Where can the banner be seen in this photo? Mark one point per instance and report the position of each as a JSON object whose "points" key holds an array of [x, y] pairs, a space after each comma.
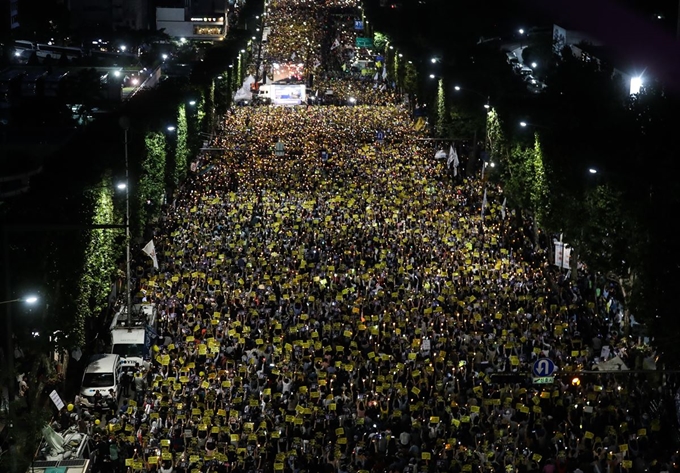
{"points": [[150, 251]]}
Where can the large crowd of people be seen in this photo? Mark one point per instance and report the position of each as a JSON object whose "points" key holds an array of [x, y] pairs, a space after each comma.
{"points": [[351, 304]]}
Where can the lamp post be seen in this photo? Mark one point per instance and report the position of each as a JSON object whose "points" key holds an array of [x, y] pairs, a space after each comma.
{"points": [[125, 125], [487, 107], [11, 377]]}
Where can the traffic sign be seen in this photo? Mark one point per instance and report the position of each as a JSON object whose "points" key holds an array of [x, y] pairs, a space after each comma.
{"points": [[363, 43], [543, 367], [544, 380]]}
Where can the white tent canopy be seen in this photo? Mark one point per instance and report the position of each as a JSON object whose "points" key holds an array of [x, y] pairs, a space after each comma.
{"points": [[615, 364], [244, 93]]}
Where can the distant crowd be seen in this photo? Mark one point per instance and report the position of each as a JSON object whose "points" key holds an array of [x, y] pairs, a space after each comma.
{"points": [[354, 305]]}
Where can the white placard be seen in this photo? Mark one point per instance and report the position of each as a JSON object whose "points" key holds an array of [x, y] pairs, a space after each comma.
{"points": [[56, 399]]}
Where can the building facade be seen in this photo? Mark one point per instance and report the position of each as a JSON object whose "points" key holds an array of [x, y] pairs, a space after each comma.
{"points": [[110, 14]]}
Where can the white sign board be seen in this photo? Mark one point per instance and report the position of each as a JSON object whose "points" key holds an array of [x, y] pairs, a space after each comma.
{"points": [[288, 94], [562, 254], [425, 346], [56, 399]]}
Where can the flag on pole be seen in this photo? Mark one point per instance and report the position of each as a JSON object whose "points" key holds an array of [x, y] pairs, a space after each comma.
{"points": [[453, 159], [335, 44], [484, 203], [150, 251], [505, 201], [441, 154]]}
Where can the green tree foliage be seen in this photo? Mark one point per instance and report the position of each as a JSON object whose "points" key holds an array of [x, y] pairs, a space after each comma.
{"points": [[441, 118], [99, 267], [178, 159], [380, 40], [152, 180], [410, 81], [525, 179]]}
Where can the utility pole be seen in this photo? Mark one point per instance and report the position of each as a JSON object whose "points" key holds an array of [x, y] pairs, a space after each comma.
{"points": [[125, 125]]}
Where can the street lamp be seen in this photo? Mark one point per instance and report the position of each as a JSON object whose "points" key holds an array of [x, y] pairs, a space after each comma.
{"points": [[523, 124], [171, 128], [458, 88], [28, 300], [124, 123], [635, 85], [164, 56], [432, 76], [592, 171], [192, 102], [534, 65], [521, 31]]}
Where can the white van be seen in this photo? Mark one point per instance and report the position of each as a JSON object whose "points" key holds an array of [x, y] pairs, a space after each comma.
{"points": [[102, 374], [128, 343]]}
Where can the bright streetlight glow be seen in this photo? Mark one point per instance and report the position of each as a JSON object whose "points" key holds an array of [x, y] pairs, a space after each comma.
{"points": [[27, 300], [457, 87], [401, 55], [522, 123], [164, 56], [116, 73], [243, 51], [492, 164], [433, 60], [171, 128], [592, 171], [534, 65], [432, 76], [17, 53], [220, 77], [121, 186], [635, 85], [521, 31], [487, 106], [123, 48], [193, 102]]}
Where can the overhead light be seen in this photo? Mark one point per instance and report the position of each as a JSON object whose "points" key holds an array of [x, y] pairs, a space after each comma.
{"points": [[635, 85]]}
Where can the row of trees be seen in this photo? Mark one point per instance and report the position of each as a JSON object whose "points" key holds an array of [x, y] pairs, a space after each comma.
{"points": [[592, 163], [76, 267], [56, 249]]}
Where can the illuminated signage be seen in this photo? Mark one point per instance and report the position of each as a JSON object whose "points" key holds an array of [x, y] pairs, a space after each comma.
{"points": [[209, 20]]}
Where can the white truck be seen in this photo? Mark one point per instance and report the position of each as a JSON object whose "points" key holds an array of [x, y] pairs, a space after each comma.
{"points": [[69, 451], [131, 339], [283, 94]]}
